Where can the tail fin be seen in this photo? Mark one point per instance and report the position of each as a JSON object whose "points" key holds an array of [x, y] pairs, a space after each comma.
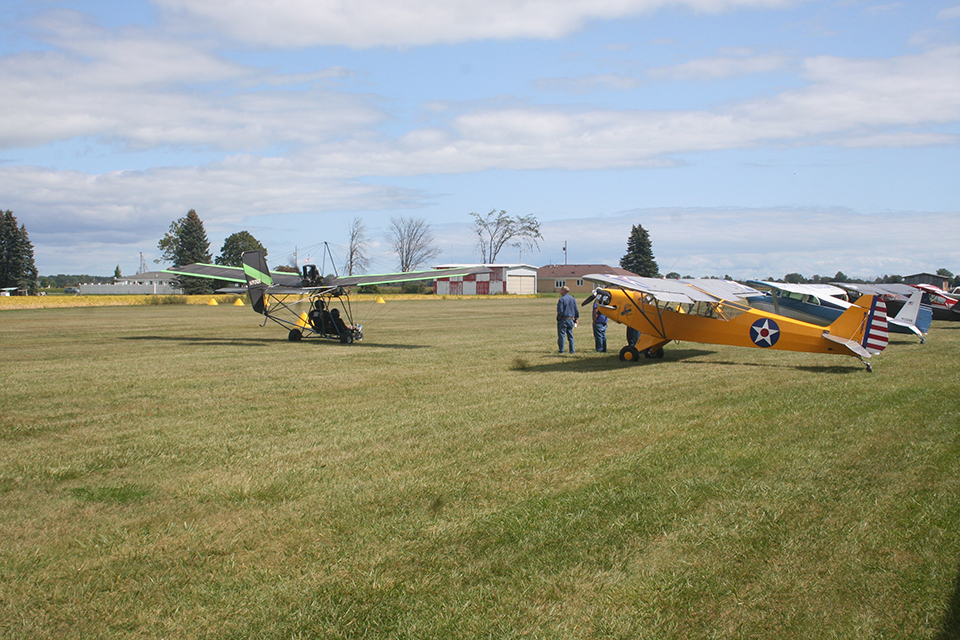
{"points": [[877, 336], [255, 293], [914, 315], [258, 278], [255, 268], [862, 327]]}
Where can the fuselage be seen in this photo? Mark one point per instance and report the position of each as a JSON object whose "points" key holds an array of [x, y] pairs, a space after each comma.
{"points": [[731, 324]]}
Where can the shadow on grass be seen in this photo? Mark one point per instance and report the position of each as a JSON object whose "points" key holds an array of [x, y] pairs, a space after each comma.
{"points": [[253, 342], [679, 356], [593, 361], [835, 369], [951, 620], [259, 342]]}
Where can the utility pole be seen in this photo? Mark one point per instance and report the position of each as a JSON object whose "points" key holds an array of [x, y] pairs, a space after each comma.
{"points": [[564, 252]]}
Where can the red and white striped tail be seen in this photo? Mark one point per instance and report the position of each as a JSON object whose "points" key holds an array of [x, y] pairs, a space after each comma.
{"points": [[876, 337]]}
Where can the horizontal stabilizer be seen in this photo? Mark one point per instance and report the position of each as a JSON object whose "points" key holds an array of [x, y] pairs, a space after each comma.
{"points": [[855, 347]]}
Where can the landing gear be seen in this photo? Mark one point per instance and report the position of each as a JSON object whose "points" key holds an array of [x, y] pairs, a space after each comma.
{"points": [[629, 354], [654, 354], [295, 335]]}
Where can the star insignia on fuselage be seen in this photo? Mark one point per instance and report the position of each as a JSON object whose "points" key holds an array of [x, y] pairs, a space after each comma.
{"points": [[764, 332]]}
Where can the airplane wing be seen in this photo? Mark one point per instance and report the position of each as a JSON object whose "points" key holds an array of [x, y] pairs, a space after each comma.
{"points": [[726, 289], [289, 283], [406, 276], [662, 290], [686, 291], [896, 292], [230, 274], [816, 290]]}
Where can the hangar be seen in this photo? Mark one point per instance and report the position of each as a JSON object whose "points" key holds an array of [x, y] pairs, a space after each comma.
{"points": [[519, 279]]}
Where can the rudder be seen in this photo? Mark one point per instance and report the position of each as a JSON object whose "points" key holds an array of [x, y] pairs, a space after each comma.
{"points": [[255, 269]]}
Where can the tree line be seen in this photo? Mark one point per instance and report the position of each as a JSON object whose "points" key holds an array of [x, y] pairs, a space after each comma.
{"points": [[410, 239]]}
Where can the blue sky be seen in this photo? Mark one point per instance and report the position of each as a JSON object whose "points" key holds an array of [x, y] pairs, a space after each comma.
{"points": [[750, 137]]}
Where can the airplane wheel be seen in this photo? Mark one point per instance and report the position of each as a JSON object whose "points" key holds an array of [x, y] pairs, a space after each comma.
{"points": [[629, 354], [294, 335], [346, 339], [654, 354]]}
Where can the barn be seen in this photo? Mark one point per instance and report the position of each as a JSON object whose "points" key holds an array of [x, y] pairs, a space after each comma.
{"points": [[520, 279]]}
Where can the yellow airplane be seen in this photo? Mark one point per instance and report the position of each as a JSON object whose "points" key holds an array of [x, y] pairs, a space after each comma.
{"points": [[709, 312]]}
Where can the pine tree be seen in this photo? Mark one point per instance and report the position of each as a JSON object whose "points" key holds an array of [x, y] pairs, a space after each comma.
{"points": [[186, 243], [17, 268], [639, 256]]}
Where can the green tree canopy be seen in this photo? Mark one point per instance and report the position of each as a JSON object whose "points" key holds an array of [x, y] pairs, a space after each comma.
{"points": [[234, 246], [639, 256], [17, 268], [186, 243]]}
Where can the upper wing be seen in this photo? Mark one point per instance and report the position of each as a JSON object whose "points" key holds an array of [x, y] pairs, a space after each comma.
{"points": [[662, 290], [405, 276], [286, 282], [725, 289], [682, 291], [230, 274], [817, 290]]}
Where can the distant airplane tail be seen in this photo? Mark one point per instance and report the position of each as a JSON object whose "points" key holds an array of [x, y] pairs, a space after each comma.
{"points": [[915, 315], [258, 278], [862, 328]]}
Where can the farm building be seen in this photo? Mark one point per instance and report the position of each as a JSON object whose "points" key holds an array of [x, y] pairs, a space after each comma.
{"points": [[150, 282], [942, 282], [520, 279], [554, 276]]}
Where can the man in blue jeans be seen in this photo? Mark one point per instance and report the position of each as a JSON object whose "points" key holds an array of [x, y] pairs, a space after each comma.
{"points": [[567, 316], [599, 329]]}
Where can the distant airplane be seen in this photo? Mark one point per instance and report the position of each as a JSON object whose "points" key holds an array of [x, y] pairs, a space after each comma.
{"points": [[306, 304], [820, 304], [712, 312], [945, 306]]}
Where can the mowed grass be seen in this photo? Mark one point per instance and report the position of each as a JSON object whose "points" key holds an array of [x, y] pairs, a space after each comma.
{"points": [[180, 472]]}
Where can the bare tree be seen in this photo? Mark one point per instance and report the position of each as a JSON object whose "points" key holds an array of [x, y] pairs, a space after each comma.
{"points": [[496, 229], [357, 260], [412, 241]]}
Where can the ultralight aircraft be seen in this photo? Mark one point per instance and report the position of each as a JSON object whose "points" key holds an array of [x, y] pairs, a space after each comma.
{"points": [[307, 304], [709, 312]]}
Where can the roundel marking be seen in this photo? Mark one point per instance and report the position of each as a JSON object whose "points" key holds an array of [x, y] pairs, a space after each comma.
{"points": [[764, 332]]}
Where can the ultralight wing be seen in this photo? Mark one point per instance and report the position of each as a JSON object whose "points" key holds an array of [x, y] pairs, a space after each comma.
{"points": [[229, 274], [405, 276]]}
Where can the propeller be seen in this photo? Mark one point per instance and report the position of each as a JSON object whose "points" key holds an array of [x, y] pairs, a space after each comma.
{"points": [[590, 298]]}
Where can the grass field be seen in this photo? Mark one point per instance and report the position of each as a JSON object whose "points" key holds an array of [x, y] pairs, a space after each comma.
{"points": [[180, 472]]}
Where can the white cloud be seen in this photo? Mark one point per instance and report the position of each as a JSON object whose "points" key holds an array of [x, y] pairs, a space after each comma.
{"points": [[373, 23], [950, 13], [588, 84], [726, 65], [139, 91]]}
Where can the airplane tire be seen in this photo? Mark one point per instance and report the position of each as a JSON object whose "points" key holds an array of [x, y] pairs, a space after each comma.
{"points": [[295, 335], [629, 354], [346, 339], [654, 354]]}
